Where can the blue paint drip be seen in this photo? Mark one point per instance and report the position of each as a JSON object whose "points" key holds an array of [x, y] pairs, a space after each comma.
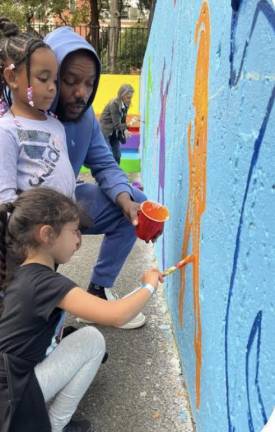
{"points": [[268, 11], [255, 155], [254, 333], [235, 4]]}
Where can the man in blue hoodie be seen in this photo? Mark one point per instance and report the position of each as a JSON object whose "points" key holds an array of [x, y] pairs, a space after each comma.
{"points": [[111, 203]]}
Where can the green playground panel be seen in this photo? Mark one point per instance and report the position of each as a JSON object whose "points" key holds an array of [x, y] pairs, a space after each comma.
{"points": [[84, 170], [128, 165]]}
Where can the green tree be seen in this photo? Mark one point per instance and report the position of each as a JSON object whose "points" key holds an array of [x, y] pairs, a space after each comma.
{"points": [[37, 15], [20, 12], [24, 12], [128, 61]]}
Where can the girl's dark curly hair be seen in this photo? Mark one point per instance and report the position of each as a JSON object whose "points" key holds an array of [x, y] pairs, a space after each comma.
{"points": [[17, 47]]}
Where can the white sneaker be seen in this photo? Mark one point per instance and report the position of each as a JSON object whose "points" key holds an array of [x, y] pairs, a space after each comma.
{"points": [[137, 322], [111, 294]]}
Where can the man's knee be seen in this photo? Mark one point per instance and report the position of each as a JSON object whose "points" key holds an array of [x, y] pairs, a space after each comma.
{"points": [[91, 199]]}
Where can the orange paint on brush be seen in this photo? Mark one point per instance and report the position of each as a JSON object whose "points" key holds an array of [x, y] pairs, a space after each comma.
{"points": [[197, 152], [185, 261], [178, 266]]}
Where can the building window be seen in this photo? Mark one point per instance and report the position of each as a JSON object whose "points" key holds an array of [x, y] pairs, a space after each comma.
{"points": [[72, 5]]}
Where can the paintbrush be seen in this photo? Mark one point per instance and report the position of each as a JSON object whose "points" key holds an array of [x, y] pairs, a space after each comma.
{"points": [[179, 265]]}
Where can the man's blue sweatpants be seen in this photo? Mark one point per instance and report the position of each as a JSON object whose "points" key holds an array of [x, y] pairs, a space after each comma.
{"points": [[119, 233]]}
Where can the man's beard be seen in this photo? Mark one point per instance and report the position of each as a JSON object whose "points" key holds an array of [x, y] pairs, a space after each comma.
{"points": [[62, 111]]}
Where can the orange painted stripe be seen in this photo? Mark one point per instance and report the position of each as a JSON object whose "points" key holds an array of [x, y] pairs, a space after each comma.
{"points": [[197, 153]]}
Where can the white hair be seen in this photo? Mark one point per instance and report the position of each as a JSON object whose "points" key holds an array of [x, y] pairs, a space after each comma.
{"points": [[124, 90]]}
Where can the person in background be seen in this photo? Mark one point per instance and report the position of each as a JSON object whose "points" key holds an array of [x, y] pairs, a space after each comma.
{"points": [[113, 120]]}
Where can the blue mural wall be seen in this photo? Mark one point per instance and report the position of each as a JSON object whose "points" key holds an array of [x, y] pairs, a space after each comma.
{"points": [[208, 149]]}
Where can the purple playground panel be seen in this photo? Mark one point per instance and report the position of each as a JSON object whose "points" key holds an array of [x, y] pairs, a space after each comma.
{"points": [[130, 158], [132, 142]]}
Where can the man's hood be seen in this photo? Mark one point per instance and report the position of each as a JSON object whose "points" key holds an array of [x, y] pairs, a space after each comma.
{"points": [[64, 41]]}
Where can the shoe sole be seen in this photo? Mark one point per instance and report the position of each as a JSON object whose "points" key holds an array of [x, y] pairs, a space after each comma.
{"points": [[131, 325], [83, 321]]}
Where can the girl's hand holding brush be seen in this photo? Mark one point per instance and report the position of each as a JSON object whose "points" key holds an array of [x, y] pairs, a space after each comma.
{"points": [[152, 277]]}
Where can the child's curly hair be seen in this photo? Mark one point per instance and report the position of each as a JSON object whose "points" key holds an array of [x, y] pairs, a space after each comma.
{"points": [[17, 47]]}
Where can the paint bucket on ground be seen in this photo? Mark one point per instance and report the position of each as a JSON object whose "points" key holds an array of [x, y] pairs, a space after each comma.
{"points": [[151, 218]]}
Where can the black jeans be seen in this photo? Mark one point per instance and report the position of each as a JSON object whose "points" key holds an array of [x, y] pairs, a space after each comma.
{"points": [[114, 144]]}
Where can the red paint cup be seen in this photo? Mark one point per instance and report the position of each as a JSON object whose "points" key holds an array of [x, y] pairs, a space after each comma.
{"points": [[151, 218]]}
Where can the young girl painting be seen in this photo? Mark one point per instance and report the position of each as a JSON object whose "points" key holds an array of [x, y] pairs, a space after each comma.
{"points": [[38, 230]]}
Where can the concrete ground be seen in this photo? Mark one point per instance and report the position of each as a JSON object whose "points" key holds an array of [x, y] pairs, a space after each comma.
{"points": [[140, 388]]}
